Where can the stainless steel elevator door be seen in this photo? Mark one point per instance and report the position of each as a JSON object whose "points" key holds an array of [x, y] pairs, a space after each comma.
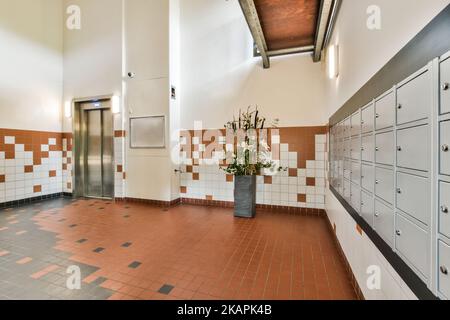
{"points": [[93, 173], [96, 152]]}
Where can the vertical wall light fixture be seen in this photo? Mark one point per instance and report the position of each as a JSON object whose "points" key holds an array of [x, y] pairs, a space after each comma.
{"points": [[115, 104], [333, 61], [68, 109]]}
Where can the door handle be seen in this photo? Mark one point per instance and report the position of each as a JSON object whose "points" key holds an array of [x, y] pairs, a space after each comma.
{"points": [[377, 149], [377, 116], [444, 209], [399, 191], [399, 106], [445, 86], [445, 148], [444, 270], [398, 232], [377, 214], [399, 148], [377, 181]]}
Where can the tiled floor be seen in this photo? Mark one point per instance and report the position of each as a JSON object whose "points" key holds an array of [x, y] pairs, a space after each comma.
{"points": [[134, 251]]}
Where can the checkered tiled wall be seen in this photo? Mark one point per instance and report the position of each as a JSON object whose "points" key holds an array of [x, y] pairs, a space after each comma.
{"points": [[119, 158], [30, 164], [301, 150], [67, 162], [34, 163]]}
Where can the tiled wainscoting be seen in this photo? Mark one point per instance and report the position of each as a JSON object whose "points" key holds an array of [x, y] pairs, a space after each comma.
{"points": [[67, 161], [302, 150], [30, 164], [36, 164]]}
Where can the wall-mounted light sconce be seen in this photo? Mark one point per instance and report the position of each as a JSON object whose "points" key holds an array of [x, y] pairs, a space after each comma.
{"points": [[68, 109], [115, 104], [333, 61]]}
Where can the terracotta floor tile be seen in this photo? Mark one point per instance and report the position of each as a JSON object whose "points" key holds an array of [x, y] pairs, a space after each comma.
{"points": [[24, 260], [205, 253]]}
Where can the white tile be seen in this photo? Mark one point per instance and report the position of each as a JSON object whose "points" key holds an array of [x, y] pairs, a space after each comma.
{"points": [[310, 164], [320, 147], [275, 139], [293, 164], [310, 173], [321, 138], [44, 147], [10, 140]]}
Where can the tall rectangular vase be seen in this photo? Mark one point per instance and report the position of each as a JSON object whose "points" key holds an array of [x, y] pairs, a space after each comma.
{"points": [[245, 196]]}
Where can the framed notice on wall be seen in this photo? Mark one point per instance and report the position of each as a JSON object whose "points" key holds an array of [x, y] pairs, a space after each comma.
{"points": [[147, 132]]}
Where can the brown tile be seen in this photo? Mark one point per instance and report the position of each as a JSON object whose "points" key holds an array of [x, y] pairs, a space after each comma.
{"points": [[119, 168], [2, 178], [44, 271], [119, 134], [301, 198], [183, 190], [28, 169], [209, 198], [195, 176], [311, 182], [267, 179], [230, 178], [24, 260], [52, 173], [293, 172], [37, 189], [189, 169]]}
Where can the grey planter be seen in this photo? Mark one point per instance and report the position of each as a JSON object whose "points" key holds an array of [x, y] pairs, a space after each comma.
{"points": [[245, 196]]}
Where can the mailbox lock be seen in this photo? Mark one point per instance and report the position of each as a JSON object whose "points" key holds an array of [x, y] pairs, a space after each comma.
{"points": [[399, 106], [377, 214], [399, 191], [398, 232], [399, 148], [445, 86], [444, 209], [377, 181], [445, 148], [377, 149], [444, 270]]}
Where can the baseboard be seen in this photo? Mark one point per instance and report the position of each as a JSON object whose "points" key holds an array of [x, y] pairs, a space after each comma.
{"points": [[26, 201], [353, 280], [261, 207], [158, 203]]}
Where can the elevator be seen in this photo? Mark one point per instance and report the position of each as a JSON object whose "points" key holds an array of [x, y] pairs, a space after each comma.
{"points": [[94, 149]]}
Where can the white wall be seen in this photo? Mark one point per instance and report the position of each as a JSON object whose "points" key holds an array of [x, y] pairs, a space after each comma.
{"points": [[31, 73], [220, 75], [93, 54], [152, 38], [362, 54]]}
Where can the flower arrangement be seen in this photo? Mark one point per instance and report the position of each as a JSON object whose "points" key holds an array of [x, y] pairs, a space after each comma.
{"points": [[252, 154]]}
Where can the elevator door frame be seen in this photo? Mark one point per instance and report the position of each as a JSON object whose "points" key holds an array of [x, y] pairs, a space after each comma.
{"points": [[79, 166]]}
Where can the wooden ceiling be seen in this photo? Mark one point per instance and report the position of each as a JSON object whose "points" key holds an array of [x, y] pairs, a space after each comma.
{"points": [[288, 23]]}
